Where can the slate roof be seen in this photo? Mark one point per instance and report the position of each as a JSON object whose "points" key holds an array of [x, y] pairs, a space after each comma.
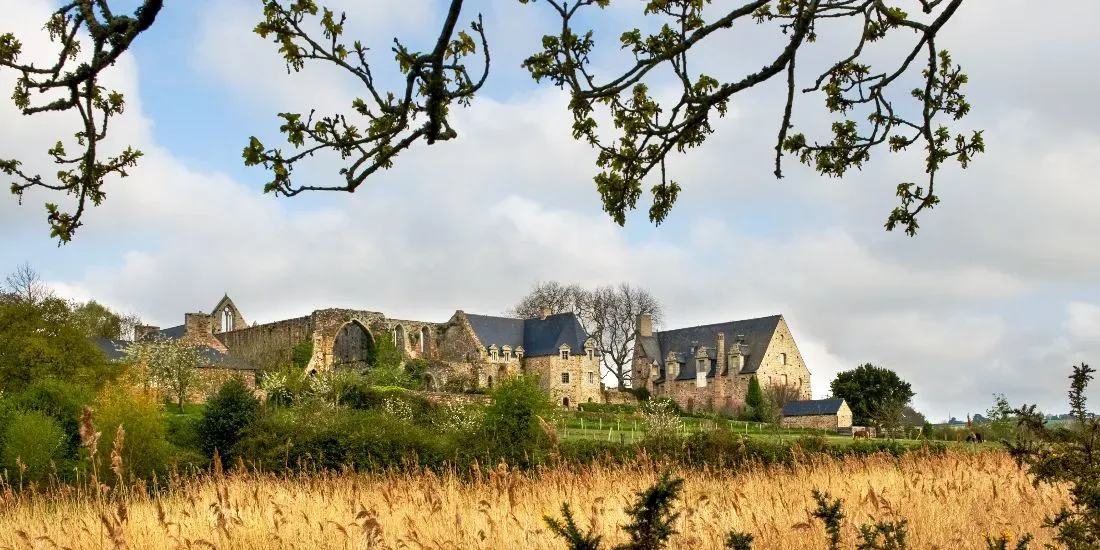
{"points": [[114, 351], [685, 341], [812, 407], [537, 336], [174, 333]]}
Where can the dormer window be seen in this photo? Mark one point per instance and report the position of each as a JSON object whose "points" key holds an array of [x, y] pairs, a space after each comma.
{"points": [[519, 352], [506, 352], [563, 351], [493, 352]]}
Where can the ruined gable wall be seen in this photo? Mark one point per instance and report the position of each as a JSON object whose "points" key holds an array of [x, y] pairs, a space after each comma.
{"points": [[269, 344]]}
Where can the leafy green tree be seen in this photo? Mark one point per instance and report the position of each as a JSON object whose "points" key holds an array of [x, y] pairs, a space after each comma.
{"points": [[872, 109], [876, 395], [39, 340], [99, 321], [228, 412]]}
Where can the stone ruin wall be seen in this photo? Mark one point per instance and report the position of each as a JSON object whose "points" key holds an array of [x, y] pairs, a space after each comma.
{"points": [[269, 344]]}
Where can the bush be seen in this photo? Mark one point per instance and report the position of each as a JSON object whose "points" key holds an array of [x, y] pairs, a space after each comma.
{"points": [[228, 412], [35, 440], [145, 449], [62, 401], [511, 421]]}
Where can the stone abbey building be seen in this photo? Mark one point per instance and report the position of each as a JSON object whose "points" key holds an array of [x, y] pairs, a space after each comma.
{"points": [[708, 367], [476, 348], [702, 368]]}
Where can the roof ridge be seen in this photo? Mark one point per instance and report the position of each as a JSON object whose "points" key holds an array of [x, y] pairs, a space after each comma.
{"points": [[777, 315]]}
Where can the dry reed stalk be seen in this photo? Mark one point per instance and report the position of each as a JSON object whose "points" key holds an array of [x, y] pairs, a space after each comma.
{"points": [[949, 501]]}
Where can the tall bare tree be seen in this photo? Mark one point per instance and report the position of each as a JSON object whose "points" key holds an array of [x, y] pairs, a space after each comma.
{"points": [[25, 284], [879, 108], [609, 314]]}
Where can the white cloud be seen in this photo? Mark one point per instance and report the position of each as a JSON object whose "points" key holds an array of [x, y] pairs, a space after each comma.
{"points": [[471, 224]]}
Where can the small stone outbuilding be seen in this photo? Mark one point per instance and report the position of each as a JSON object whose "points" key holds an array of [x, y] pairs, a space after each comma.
{"points": [[819, 414]]}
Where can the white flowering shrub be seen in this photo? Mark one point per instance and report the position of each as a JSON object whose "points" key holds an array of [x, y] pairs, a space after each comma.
{"points": [[398, 408], [661, 419], [454, 417]]}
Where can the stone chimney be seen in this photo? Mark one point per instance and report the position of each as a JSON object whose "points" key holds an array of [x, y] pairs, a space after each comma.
{"points": [[141, 332], [544, 313], [720, 356], [645, 325], [198, 323]]}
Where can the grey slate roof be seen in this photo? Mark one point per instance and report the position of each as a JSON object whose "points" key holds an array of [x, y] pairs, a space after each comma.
{"points": [[684, 342], [502, 331], [174, 333], [112, 348], [114, 351], [537, 336], [812, 407]]}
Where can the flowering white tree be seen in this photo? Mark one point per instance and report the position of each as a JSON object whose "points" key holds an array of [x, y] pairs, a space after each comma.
{"points": [[171, 366]]}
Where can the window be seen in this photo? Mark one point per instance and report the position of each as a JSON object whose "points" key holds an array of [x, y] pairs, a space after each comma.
{"points": [[493, 353], [565, 378], [784, 379], [591, 353], [591, 378], [565, 354], [782, 358]]}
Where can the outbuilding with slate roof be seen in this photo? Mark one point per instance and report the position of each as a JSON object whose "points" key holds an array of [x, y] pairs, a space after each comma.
{"points": [[821, 414], [708, 367]]}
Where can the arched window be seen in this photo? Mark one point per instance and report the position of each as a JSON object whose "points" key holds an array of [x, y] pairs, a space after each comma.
{"points": [[425, 345], [490, 381], [354, 346], [565, 402], [227, 320]]}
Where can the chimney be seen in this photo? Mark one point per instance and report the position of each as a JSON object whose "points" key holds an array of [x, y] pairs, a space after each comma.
{"points": [[544, 313], [645, 325], [721, 355], [141, 332], [198, 323]]}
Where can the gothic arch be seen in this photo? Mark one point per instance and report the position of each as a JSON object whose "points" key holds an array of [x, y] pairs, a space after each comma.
{"points": [[227, 317], [425, 340], [353, 346]]}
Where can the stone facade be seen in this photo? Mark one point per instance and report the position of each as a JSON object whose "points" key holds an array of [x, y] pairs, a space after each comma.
{"points": [[696, 368], [562, 356], [491, 349]]}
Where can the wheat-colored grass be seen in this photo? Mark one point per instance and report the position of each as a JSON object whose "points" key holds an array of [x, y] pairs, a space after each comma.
{"points": [[949, 501]]}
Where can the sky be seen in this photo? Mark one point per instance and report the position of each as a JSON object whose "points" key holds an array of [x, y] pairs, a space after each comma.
{"points": [[997, 293]]}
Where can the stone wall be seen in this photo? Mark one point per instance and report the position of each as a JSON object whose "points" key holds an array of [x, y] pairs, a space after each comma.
{"points": [[616, 396], [457, 342], [268, 344], [817, 422], [782, 363], [584, 384], [442, 398], [210, 379]]}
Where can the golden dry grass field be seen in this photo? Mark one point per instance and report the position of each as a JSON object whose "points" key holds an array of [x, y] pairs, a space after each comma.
{"points": [[949, 501]]}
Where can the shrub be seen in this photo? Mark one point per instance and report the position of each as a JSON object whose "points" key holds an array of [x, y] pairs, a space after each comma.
{"points": [[511, 421], [145, 449], [228, 412], [60, 400], [36, 441], [662, 419]]}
